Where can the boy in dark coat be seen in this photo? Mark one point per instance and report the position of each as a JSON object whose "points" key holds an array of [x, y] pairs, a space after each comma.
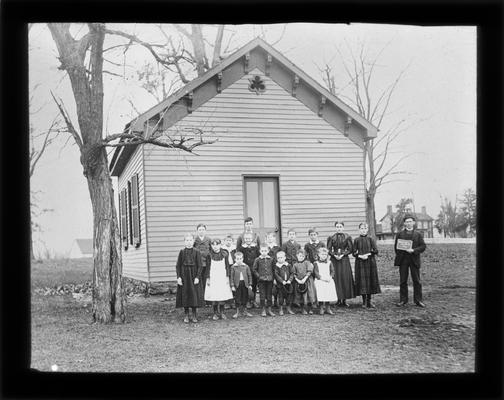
{"points": [[202, 244], [240, 280], [313, 245], [291, 247], [263, 271], [411, 244], [248, 222], [273, 250], [250, 252], [283, 282]]}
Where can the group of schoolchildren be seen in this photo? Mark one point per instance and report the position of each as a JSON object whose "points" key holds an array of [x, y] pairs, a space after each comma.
{"points": [[214, 272]]}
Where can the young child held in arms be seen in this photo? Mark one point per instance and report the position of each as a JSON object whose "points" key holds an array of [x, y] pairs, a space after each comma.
{"points": [[189, 267], [304, 289], [241, 282], [323, 269], [283, 282], [218, 289], [263, 271]]}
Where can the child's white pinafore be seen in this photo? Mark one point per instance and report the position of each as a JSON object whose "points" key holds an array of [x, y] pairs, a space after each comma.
{"points": [[217, 288], [326, 291]]}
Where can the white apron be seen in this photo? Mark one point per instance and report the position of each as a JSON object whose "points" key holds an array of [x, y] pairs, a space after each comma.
{"points": [[217, 288], [326, 291]]}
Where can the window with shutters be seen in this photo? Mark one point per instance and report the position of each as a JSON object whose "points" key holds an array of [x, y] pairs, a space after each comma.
{"points": [[123, 219], [135, 210], [130, 225]]}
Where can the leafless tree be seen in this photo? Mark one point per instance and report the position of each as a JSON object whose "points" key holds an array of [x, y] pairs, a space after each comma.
{"points": [[82, 58], [373, 104], [40, 140]]}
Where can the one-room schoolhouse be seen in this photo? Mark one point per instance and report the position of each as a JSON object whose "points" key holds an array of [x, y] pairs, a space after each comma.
{"points": [[287, 153]]}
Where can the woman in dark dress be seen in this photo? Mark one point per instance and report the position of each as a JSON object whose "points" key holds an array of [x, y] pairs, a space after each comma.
{"points": [[366, 272], [340, 246], [189, 289]]}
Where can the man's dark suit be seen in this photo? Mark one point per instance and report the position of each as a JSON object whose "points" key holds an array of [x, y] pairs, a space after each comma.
{"points": [[409, 261]]}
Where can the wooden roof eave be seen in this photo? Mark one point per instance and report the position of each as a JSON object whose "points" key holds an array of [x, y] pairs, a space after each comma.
{"points": [[138, 123]]}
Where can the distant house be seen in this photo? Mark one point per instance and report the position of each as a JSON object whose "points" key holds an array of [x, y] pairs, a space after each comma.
{"points": [[424, 224], [81, 248], [289, 154]]}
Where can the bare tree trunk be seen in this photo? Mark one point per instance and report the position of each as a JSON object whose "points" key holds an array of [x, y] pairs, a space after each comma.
{"points": [[218, 46], [370, 213], [87, 87], [108, 296], [371, 191], [199, 49]]}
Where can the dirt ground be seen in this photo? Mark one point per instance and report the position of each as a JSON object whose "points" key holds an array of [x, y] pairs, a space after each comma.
{"points": [[388, 339]]}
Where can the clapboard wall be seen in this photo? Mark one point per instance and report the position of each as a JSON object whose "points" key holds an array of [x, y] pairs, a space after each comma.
{"points": [[135, 263], [320, 172]]}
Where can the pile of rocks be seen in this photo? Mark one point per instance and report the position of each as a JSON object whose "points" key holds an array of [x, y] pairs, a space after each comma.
{"points": [[132, 287], [67, 288]]}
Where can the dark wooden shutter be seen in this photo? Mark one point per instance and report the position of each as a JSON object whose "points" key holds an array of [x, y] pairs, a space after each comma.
{"points": [[130, 225], [135, 210], [122, 215]]}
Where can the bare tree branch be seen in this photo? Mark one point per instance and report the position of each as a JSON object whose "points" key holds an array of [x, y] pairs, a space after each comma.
{"points": [[183, 31], [68, 122], [169, 59], [35, 155], [281, 35]]}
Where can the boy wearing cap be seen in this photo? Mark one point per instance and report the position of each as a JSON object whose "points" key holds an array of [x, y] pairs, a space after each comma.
{"points": [[408, 245]]}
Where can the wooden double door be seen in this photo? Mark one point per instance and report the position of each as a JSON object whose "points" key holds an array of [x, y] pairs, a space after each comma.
{"points": [[262, 203]]}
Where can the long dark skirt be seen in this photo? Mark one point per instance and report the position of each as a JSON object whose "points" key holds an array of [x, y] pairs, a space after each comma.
{"points": [[366, 277], [343, 278], [189, 294]]}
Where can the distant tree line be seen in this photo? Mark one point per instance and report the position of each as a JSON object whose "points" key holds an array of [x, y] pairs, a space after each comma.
{"points": [[455, 219], [458, 219]]}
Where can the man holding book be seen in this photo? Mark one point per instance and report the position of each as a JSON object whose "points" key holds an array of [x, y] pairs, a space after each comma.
{"points": [[409, 243]]}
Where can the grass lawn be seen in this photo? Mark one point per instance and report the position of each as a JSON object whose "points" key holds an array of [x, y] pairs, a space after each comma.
{"points": [[439, 338]]}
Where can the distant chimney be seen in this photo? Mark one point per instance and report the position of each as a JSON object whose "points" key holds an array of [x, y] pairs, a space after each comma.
{"points": [[423, 210], [389, 209]]}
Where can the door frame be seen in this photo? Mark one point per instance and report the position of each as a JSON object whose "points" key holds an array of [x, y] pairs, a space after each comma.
{"points": [[278, 198]]}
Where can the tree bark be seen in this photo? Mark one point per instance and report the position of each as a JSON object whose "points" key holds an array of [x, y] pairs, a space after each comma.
{"points": [[371, 189], [370, 213], [108, 295], [199, 49], [87, 87]]}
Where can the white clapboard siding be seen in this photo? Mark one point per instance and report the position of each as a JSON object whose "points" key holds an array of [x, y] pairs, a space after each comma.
{"points": [[135, 258], [320, 172]]}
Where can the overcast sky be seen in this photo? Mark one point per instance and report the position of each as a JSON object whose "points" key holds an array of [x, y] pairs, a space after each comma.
{"points": [[436, 97]]}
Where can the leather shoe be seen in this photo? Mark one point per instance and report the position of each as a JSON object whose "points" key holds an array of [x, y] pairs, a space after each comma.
{"points": [[420, 304], [401, 304]]}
